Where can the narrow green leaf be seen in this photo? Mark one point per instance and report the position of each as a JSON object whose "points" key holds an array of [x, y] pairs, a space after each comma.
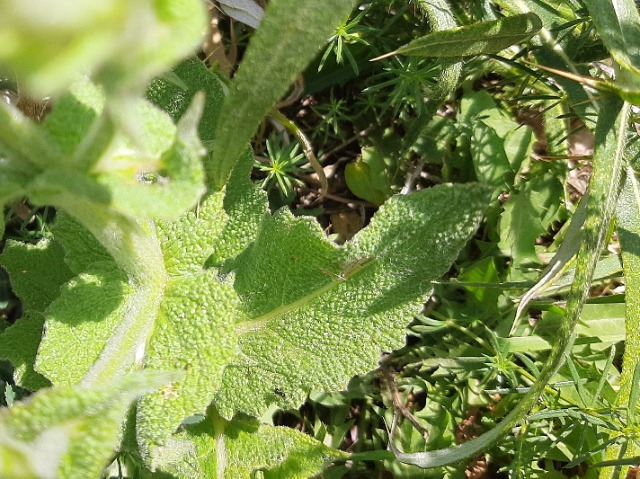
{"points": [[577, 381], [441, 18], [634, 395], [598, 323], [560, 260], [290, 34], [628, 226], [480, 38], [628, 223], [553, 47], [618, 24]]}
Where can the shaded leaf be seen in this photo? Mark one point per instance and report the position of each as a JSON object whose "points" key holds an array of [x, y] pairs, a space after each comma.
{"points": [[290, 34], [242, 447], [480, 38]]}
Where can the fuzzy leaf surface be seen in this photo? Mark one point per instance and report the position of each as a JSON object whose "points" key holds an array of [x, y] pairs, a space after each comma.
{"points": [[79, 158], [317, 314], [122, 43], [69, 432], [245, 447], [96, 319], [37, 273]]}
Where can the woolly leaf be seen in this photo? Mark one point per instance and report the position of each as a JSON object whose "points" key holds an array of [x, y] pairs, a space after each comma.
{"points": [[318, 314], [69, 432]]}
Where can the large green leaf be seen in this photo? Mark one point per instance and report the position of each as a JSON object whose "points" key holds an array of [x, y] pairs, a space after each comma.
{"points": [[308, 302], [299, 313]]}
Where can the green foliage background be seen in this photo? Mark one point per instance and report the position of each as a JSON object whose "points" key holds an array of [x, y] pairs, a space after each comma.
{"points": [[167, 317]]}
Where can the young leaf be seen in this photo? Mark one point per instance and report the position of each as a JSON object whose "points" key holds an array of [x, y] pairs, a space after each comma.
{"points": [[78, 159], [527, 214], [480, 38], [290, 34], [367, 177], [25, 147], [174, 92], [69, 432], [122, 43]]}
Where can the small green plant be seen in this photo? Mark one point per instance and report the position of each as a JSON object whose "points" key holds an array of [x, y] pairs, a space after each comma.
{"points": [[282, 164], [348, 33]]}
